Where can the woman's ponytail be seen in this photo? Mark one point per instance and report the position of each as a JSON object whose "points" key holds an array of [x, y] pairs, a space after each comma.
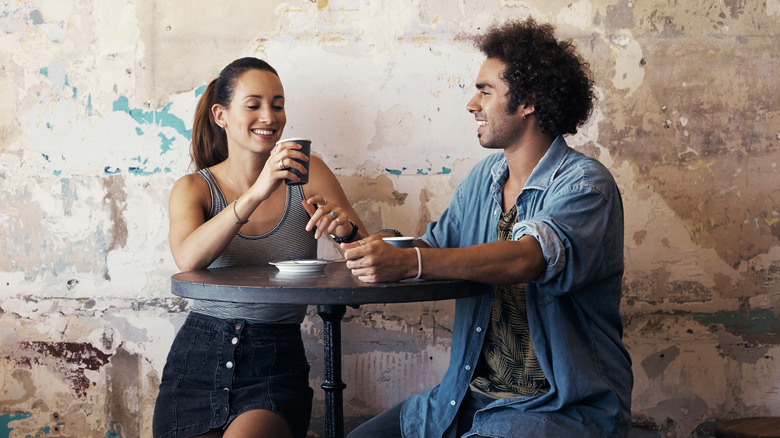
{"points": [[209, 143]]}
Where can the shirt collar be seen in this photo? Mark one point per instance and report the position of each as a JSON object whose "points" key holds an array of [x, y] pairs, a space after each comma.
{"points": [[543, 173]]}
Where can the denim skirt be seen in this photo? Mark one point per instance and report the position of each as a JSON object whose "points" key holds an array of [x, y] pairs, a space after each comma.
{"points": [[218, 369]]}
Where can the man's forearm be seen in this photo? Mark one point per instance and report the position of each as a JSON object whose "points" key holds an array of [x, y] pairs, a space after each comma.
{"points": [[494, 263]]}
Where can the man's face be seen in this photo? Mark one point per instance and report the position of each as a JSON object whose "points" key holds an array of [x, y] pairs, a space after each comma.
{"points": [[496, 129]]}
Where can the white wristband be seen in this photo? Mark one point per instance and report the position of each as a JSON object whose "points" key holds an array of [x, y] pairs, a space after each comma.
{"points": [[419, 263]]}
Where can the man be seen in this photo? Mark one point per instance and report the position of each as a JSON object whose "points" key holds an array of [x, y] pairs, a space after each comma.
{"points": [[542, 356]]}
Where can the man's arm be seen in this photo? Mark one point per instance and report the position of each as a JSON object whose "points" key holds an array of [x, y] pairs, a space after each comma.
{"points": [[494, 263]]}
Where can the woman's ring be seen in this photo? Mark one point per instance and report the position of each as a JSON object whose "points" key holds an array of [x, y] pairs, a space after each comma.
{"points": [[281, 166], [338, 221], [332, 214], [362, 242]]}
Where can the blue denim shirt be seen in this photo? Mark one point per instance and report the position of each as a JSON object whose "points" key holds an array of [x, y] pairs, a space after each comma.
{"points": [[572, 206]]}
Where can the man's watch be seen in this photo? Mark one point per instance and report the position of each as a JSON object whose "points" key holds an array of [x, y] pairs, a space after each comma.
{"points": [[348, 238]]}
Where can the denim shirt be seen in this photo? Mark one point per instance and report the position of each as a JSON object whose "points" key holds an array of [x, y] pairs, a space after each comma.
{"points": [[572, 206]]}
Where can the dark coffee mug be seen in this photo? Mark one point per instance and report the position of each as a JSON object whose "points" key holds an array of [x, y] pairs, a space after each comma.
{"points": [[306, 149]]}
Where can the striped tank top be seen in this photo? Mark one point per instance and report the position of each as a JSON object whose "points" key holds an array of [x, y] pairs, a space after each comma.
{"points": [[288, 240]]}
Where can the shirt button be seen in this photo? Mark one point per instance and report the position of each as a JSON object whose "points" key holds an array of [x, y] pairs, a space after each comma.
{"points": [[234, 341], [452, 402], [479, 329], [238, 326], [226, 389], [229, 365], [468, 367]]}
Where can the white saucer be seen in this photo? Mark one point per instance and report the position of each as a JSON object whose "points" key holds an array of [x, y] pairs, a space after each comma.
{"points": [[300, 266]]}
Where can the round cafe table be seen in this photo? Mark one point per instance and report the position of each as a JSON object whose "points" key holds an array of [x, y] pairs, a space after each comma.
{"points": [[330, 290]]}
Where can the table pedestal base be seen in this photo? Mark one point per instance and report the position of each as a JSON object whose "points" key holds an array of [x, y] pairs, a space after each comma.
{"points": [[334, 408]]}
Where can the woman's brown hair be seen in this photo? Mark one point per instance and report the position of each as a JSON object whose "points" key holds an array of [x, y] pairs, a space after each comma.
{"points": [[209, 142]]}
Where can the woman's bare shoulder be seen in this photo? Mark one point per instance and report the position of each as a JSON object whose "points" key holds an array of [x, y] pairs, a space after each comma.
{"points": [[191, 188]]}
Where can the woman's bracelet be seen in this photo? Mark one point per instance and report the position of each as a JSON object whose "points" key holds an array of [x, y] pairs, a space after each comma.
{"points": [[238, 220], [346, 239], [396, 232]]}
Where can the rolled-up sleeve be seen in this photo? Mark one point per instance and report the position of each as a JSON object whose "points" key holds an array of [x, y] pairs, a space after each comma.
{"points": [[552, 248]]}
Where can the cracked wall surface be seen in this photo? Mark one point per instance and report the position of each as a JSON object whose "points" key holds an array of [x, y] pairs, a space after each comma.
{"points": [[95, 122]]}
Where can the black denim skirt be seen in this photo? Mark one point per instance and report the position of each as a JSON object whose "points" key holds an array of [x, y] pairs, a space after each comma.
{"points": [[218, 369]]}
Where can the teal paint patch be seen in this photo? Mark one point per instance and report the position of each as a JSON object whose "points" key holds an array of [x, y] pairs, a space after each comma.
{"points": [[200, 90], [142, 171], [112, 434], [6, 419], [759, 325], [111, 170], [143, 117], [162, 118], [57, 172], [44, 71], [444, 171], [139, 131], [166, 143], [75, 90]]}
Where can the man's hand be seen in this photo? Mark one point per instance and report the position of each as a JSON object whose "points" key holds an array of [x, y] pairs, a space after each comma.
{"points": [[374, 261]]}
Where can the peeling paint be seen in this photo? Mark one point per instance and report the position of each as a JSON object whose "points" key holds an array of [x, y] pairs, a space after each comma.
{"points": [[758, 326], [6, 419], [70, 359], [95, 125]]}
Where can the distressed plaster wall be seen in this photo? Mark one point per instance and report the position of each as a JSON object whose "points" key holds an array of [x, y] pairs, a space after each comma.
{"points": [[96, 103]]}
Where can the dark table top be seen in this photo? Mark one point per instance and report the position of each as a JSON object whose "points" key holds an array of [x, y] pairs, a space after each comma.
{"points": [[335, 285]]}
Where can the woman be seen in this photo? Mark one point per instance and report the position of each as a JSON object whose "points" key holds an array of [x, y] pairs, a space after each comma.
{"points": [[239, 369]]}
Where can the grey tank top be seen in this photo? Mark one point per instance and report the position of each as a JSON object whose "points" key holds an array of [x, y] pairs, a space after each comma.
{"points": [[288, 240]]}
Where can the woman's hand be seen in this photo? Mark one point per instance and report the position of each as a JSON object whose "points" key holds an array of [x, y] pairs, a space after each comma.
{"points": [[328, 217], [277, 168]]}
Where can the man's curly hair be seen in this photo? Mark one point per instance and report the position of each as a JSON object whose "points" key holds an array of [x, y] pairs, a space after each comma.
{"points": [[543, 72]]}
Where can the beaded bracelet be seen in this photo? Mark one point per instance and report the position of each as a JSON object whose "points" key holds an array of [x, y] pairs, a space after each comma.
{"points": [[396, 232]]}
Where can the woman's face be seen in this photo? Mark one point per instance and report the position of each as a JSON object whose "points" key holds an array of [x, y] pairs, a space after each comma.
{"points": [[255, 118]]}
